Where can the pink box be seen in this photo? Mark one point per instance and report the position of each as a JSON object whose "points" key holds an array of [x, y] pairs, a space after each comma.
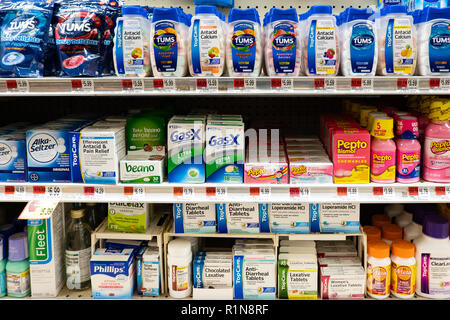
{"points": [[266, 170], [310, 169]]}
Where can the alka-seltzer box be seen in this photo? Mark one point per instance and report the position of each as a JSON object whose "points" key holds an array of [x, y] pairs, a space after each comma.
{"points": [[148, 274], [46, 246], [142, 169], [132, 217], [351, 155], [96, 152], [224, 151], [334, 217], [284, 217], [113, 274], [237, 217], [13, 157], [310, 169], [344, 282], [297, 276], [185, 147], [194, 217], [254, 274]]}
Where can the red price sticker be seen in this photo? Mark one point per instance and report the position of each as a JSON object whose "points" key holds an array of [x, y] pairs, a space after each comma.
{"points": [[128, 191], [38, 189], [82, 85], [178, 191], [89, 191], [342, 191], [239, 83], [275, 83], [254, 191], [356, 83], [127, 84], [440, 191], [210, 191], [402, 83], [9, 189], [294, 192], [319, 83], [413, 191], [435, 83], [378, 191], [158, 83], [11, 84], [201, 84]]}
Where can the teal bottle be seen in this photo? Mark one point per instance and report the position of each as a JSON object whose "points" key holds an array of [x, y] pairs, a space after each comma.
{"points": [[18, 266], [2, 269]]}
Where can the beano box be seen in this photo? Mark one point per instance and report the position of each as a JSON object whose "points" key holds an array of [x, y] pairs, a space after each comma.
{"points": [[46, 230]]}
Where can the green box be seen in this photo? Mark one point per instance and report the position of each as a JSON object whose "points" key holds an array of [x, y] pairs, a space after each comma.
{"points": [[146, 134], [130, 217]]}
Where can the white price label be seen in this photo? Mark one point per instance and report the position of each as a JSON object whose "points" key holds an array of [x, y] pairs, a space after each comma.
{"points": [[169, 84], [424, 193], [138, 85], [54, 192], [305, 192], [413, 84], [367, 84], [352, 192], [330, 84], [287, 84], [250, 83], [388, 192], [221, 192], [445, 83], [188, 192], [139, 192], [99, 192], [20, 85], [265, 192]]}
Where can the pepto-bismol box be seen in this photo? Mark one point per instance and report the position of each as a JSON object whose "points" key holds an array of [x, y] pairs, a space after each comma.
{"points": [[194, 217], [334, 217], [132, 217], [237, 217]]}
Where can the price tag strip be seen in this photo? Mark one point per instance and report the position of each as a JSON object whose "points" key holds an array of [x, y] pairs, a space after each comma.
{"points": [[84, 85], [184, 192], [351, 193], [133, 193], [20, 85], [442, 191], [164, 84], [15, 192], [302, 193], [133, 85], [94, 192], [387, 193], [324, 83], [244, 84], [47, 192], [209, 84]]}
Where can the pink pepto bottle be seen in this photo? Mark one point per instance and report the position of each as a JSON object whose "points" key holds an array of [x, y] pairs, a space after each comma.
{"points": [[383, 151], [436, 164], [408, 149]]}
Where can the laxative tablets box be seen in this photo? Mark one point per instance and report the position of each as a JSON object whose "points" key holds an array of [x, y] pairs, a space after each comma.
{"points": [[96, 152], [351, 155], [148, 273], [337, 262], [194, 217], [310, 169], [237, 217], [343, 282], [334, 217], [13, 158], [336, 252], [185, 148], [142, 169], [284, 217], [131, 217], [113, 274], [45, 226]]}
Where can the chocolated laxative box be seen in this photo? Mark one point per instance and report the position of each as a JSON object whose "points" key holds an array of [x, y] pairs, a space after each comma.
{"points": [[284, 217], [334, 217], [194, 217]]}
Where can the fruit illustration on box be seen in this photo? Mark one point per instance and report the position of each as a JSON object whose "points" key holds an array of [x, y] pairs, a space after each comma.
{"points": [[213, 52], [330, 54], [136, 53], [407, 52]]}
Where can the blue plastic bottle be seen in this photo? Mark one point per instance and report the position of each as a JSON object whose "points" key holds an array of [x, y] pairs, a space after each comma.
{"points": [[18, 266], [2, 268]]}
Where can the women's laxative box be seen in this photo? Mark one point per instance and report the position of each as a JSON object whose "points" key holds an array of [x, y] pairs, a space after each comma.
{"points": [[194, 217], [342, 282], [284, 217], [334, 217], [185, 147], [224, 151], [13, 158], [310, 169], [297, 276], [146, 134], [113, 273], [237, 217], [142, 169], [351, 155], [96, 151], [132, 217]]}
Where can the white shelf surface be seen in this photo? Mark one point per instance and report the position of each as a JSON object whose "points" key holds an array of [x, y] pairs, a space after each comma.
{"points": [[215, 193], [225, 86]]}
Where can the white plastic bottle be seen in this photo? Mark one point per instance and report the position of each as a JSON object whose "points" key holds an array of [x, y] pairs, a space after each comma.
{"points": [[397, 51], [244, 43], [434, 41], [132, 43], [433, 259], [321, 53], [403, 219], [206, 53], [179, 268], [169, 33], [414, 230], [393, 210], [359, 49]]}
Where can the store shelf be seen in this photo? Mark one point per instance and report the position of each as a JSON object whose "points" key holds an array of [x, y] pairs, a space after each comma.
{"points": [[208, 192], [225, 86]]}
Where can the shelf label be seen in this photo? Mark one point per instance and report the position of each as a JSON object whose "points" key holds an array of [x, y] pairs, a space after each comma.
{"points": [[211, 84], [349, 192], [330, 84], [21, 85], [275, 83], [132, 85], [210, 191], [445, 83], [319, 83], [265, 192], [254, 191], [287, 84], [442, 191], [244, 83], [53, 192], [164, 84], [356, 83], [302, 192], [402, 83], [413, 84], [186, 192], [15, 191], [367, 84], [385, 192], [439, 83], [82, 85], [134, 192], [97, 192], [38, 190], [421, 193]]}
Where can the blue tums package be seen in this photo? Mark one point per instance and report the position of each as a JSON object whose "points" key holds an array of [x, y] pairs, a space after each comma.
{"points": [[79, 34], [24, 26]]}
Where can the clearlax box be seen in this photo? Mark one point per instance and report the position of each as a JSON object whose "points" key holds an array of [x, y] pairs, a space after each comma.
{"points": [[131, 217], [194, 217], [237, 217], [142, 169], [185, 147], [334, 217], [13, 157], [112, 274], [46, 246], [284, 217]]}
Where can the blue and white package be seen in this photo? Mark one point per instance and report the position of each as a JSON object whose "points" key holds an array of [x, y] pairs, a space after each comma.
{"points": [[79, 34], [284, 217], [219, 3], [13, 155], [113, 10], [148, 274], [194, 217], [334, 217], [113, 274], [237, 217], [24, 27], [213, 271]]}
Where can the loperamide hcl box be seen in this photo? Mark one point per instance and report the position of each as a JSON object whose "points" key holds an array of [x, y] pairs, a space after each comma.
{"points": [[45, 227], [148, 274], [185, 148], [142, 169], [237, 217], [96, 152], [13, 157], [351, 155], [113, 274], [132, 217], [344, 282], [224, 151], [284, 217], [194, 217], [334, 217]]}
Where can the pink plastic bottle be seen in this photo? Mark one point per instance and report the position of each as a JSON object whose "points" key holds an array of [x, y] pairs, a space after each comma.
{"points": [[436, 165], [383, 151], [408, 160]]}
